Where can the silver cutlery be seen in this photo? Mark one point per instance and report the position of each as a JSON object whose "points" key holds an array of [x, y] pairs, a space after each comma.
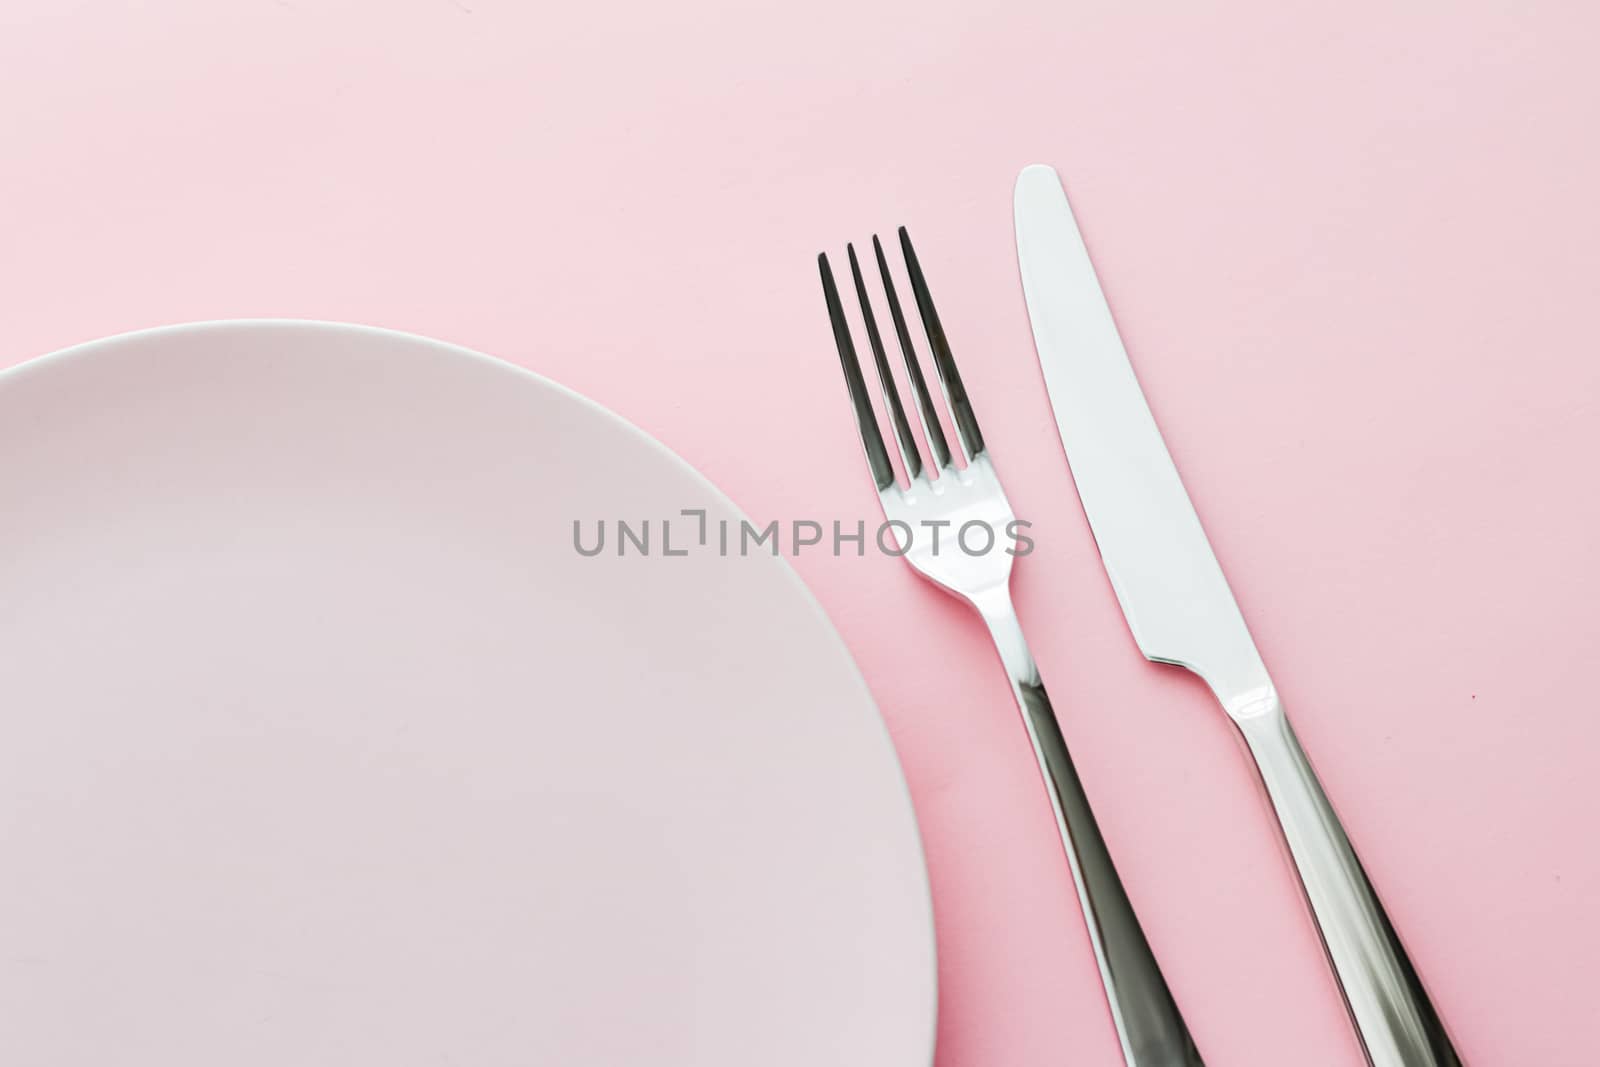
{"points": [[1181, 611], [1147, 1021]]}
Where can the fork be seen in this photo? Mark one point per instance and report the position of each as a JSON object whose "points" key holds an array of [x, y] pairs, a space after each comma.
{"points": [[943, 494]]}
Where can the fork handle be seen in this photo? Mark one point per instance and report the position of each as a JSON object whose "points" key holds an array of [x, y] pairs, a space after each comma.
{"points": [[1147, 1021]]}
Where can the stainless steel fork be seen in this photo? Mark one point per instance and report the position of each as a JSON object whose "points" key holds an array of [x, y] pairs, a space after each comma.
{"points": [[946, 497]]}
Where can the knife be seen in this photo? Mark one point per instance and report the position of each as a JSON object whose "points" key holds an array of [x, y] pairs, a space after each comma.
{"points": [[1181, 611]]}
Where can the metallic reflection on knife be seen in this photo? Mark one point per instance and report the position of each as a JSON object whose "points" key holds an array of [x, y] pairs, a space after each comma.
{"points": [[1181, 611]]}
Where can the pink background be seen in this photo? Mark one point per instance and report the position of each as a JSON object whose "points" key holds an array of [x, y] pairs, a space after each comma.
{"points": [[1354, 255]]}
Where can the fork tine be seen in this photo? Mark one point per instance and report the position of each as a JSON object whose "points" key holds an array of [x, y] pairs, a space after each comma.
{"points": [[866, 421], [909, 452], [955, 393], [919, 385]]}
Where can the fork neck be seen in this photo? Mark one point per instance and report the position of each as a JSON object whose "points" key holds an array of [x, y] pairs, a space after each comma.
{"points": [[1000, 615]]}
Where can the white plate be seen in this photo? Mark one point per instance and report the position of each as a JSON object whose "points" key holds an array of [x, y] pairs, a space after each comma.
{"points": [[322, 744]]}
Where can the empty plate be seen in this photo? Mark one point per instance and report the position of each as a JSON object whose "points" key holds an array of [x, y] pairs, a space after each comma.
{"points": [[324, 745]]}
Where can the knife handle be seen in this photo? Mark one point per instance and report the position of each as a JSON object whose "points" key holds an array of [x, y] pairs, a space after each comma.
{"points": [[1147, 1021], [1394, 1018]]}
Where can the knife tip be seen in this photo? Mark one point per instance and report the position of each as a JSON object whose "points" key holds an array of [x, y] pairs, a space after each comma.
{"points": [[1037, 187]]}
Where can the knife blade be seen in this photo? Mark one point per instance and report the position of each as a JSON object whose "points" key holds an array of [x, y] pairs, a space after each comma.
{"points": [[1181, 611], [1161, 566]]}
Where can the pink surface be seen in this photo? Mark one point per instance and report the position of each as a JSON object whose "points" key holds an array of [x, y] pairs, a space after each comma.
{"points": [[1354, 255]]}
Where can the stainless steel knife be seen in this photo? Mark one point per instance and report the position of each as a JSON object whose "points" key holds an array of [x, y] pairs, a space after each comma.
{"points": [[1181, 611]]}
